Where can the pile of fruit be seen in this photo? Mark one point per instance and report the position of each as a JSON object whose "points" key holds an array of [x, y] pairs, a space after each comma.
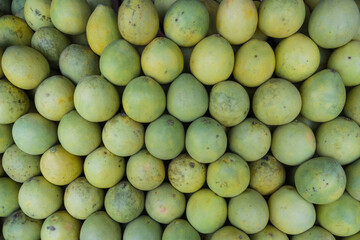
{"points": [[180, 119]]}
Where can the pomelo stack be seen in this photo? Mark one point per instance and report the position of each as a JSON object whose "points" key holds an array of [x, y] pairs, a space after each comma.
{"points": [[186, 120]]}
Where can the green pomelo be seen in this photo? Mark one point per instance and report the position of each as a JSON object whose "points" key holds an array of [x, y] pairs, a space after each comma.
{"points": [[269, 233], [339, 139], [248, 211], [266, 175], [228, 176], [314, 233], [20, 166], [17, 8], [104, 169], [81, 199], [143, 99], [100, 226], [186, 174], [229, 232], [143, 227], [180, 229], [165, 204], [77, 135], [9, 191], [206, 211], [123, 136], [323, 96], [229, 103], [165, 137], [353, 179], [123, 202], [37, 13], [34, 134], [144, 171], [120, 63], [6, 139], [251, 139], [187, 98], [60, 225], [39, 198], [10, 27], [352, 104]]}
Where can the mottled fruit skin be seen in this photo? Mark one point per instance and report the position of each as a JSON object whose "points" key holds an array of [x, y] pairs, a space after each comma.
{"points": [[138, 21], [248, 211], [100, 226], [266, 175], [339, 139], [186, 174], [123, 202], [60, 225], [314, 233], [180, 229], [186, 22], [332, 24], [353, 180], [320, 180], [39, 198], [228, 176], [269, 233], [10, 26], [229, 232], [20, 166], [81, 199], [9, 191], [143, 227], [342, 217], [19, 226], [206, 211], [37, 14], [6, 139]]}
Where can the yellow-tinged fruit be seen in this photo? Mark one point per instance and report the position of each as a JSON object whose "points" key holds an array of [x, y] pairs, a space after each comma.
{"points": [[236, 20], [269, 233], [60, 225], [229, 232], [138, 21], [14, 31], [101, 28], [37, 13]]}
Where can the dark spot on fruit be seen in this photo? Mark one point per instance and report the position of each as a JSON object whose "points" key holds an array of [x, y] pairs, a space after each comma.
{"points": [[94, 205], [240, 237], [138, 6], [176, 19], [349, 57], [192, 165], [253, 123], [333, 71], [255, 56], [123, 185], [174, 195], [217, 135], [323, 179], [182, 12], [327, 184], [51, 228], [313, 189], [170, 122]]}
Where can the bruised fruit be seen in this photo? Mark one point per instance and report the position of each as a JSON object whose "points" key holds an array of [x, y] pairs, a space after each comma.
{"points": [[60, 225]]}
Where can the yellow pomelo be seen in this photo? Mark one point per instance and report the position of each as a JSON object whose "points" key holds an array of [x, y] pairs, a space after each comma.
{"points": [[10, 29], [37, 13], [138, 21], [254, 63], [236, 20], [101, 28], [281, 18], [297, 58], [212, 60]]}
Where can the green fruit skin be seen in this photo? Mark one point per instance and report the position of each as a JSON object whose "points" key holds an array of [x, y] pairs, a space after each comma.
{"points": [[332, 23], [34, 134], [17, 8], [39, 198], [19, 226], [206, 211], [143, 227], [165, 137], [81, 199], [229, 232], [6, 139], [37, 14], [123, 202], [10, 26], [341, 217], [60, 225], [180, 229], [20, 166], [314, 233], [293, 143], [269, 233], [320, 180], [50, 42], [120, 63], [339, 139], [352, 105], [205, 140], [323, 96], [229, 103], [13, 102], [77, 135], [123, 136], [78, 61], [353, 180], [250, 139], [94, 3], [144, 99], [228, 176], [352, 237], [187, 98], [9, 191], [100, 226]]}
